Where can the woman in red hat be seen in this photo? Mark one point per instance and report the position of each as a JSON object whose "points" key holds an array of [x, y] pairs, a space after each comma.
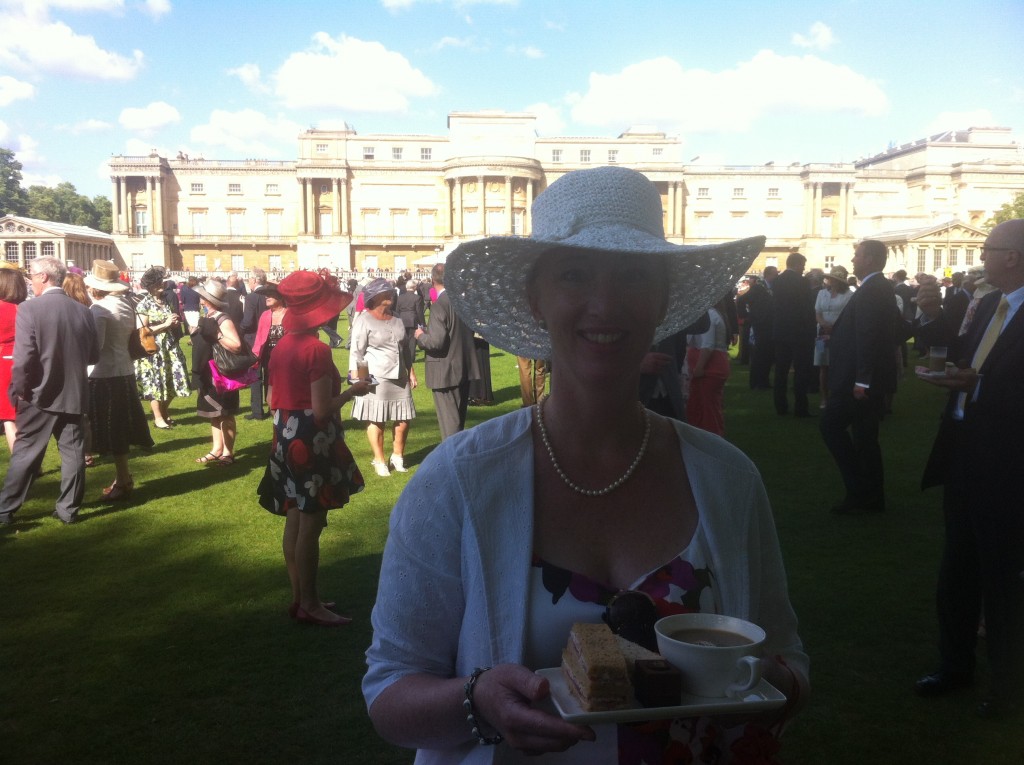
{"points": [[311, 470]]}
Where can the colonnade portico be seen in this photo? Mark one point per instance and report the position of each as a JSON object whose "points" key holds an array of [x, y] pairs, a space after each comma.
{"points": [[510, 190], [125, 204], [814, 206]]}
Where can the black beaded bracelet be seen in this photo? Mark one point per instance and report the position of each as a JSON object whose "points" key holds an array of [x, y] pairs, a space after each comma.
{"points": [[481, 739]]}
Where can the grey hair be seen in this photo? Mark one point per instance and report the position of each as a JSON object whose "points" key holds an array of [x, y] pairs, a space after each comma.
{"points": [[259, 275], [54, 269]]}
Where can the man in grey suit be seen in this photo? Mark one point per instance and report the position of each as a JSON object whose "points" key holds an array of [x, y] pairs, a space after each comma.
{"points": [[54, 341], [450, 359]]}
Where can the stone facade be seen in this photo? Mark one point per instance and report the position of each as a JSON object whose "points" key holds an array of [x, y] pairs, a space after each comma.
{"points": [[23, 239], [353, 202]]}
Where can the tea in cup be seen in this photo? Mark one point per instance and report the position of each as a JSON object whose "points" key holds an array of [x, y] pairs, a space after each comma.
{"points": [[937, 358], [717, 655]]}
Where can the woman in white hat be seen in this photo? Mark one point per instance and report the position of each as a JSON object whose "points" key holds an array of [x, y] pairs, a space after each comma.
{"points": [[116, 416], [512, 531], [828, 304]]}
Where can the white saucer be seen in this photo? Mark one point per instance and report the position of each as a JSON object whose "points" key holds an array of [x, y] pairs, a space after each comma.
{"points": [[929, 374], [762, 697], [372, 380]]}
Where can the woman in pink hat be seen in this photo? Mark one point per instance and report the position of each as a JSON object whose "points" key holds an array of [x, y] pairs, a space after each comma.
{"points": [[311, 470]]}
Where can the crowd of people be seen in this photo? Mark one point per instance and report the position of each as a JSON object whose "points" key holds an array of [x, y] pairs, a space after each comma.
{"points": [[613, 476]]}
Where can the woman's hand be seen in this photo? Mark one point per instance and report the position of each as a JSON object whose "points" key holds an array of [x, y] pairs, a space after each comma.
{"points": [[359, 388], [503, 699], [413, 382]]}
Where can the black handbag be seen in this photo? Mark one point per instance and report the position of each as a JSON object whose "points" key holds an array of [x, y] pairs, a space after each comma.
{"points": [[228, 362]]}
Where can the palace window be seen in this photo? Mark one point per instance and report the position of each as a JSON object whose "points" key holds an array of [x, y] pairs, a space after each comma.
{"points": [[773, 192], [48, 249], [427, 223], [198, 222], [584, 156], [274, 261], [141, 222], [30, 251], [274, 223], [138, 261], [238, 262], [703, 192], [396, 152], [199, 263], [922, 258], [954, 255], [969, 257], [656, 151], [613, 156], [236, 222], [937, 258], [196, 188], [367, 152], [272, 188], [11, 252], [519, 223], [234, 188], [556, 155], [426, 153], [321, 148], [738, 192]]}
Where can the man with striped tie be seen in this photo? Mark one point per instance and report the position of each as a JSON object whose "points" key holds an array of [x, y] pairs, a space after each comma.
{"points": [[978, 459]]}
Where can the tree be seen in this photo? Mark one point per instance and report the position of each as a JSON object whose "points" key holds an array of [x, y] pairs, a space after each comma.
{"points": [[13, 200], [1009, 211], [63, 203]]}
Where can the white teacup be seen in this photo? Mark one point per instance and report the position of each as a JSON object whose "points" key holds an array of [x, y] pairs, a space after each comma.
{"points": [[717, 655]]}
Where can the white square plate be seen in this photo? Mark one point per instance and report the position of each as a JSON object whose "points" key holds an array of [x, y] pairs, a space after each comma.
{"points": [[762, 697]]}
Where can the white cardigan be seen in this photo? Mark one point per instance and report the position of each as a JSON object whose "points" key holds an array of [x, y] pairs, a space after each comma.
{"points": [[455, 575]]}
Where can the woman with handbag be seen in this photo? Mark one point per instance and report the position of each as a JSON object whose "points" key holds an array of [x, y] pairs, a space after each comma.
{"points": [[162, 376], [310, 470], [269, 331], [215, 329], [117, 420]]}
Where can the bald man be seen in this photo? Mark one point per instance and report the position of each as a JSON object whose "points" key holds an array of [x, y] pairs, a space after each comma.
{"points": [[978, 459]]}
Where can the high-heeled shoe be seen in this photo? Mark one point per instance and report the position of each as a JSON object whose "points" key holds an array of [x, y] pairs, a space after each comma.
{"points": [[118, 491], [381, 468], [301, 615]]}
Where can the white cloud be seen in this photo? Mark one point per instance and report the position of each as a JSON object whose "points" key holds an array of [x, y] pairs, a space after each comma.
{"points": [[961, 121], [5, 132], [726, 101], [149, 118], [453, 42], [25, 149], [40, 179], [527, 51], [350, 74], [549, 119], [820, 37], [248, 132], [158, 8], [32, 43], [86, 126], [12, 90], [137, 147], [251, 77]]}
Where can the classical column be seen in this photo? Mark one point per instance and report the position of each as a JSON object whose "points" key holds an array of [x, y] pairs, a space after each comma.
{"points": [[528, 215], [816, 220], [483, 206], [115, 203], [511, 209], [337, 206], [158, 209], [808, 207], [458, 207], [346, 228], [311, 214], [129, 218], [842, 209], [449, 189], [849, 209], [681, 205], [305, 206]]}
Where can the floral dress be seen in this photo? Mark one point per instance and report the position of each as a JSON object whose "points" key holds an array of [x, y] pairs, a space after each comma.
{"points": [[163, 375]]}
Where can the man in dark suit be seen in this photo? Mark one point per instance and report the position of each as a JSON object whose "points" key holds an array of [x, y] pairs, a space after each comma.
{"points": [[254, 303], [451, 359], [54, 341], [978, 459], [907, 296], [955, 303], [756, 304], [794, 330], [409, 308], [233, 296], [862, 370]]}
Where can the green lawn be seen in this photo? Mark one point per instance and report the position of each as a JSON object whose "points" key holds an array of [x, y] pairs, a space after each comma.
{"points": [[155, 631]]}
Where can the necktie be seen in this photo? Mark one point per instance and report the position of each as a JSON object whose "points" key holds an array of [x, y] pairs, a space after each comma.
{"points": [[991, 334], [987, 341]]}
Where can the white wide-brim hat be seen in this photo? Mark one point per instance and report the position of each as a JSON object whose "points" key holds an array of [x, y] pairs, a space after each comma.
{"points": [[606, 209]]}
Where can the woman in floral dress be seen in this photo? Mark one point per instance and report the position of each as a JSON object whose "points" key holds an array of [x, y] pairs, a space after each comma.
{"points": [[310, 470], [163, 375]]}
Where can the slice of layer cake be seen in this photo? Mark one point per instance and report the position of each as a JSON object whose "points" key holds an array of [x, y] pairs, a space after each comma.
{"points": [[595, 670]]}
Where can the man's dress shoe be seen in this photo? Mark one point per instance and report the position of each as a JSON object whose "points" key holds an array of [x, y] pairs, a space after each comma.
{"points": [[938, 683]]}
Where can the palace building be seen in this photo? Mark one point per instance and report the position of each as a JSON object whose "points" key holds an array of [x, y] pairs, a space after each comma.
{"points": [[352, 202]]}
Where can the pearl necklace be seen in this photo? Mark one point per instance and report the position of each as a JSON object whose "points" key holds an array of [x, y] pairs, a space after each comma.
{"points": [[614, 484]]}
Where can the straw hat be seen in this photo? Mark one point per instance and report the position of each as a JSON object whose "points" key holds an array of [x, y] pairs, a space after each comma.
{"points": [[375, 288], [312, 298], [607, 209], [213, 291], [839, 273], [6, 265], [105, 277]]}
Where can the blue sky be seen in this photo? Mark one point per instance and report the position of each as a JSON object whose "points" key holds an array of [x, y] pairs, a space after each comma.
{"points": [[738, 82]]}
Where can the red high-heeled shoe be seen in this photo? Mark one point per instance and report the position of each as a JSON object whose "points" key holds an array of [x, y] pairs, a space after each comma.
{"points": [[118, 491]]}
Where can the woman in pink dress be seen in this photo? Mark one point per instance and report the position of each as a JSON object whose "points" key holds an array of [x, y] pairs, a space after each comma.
{"points": [[12, 292]]}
